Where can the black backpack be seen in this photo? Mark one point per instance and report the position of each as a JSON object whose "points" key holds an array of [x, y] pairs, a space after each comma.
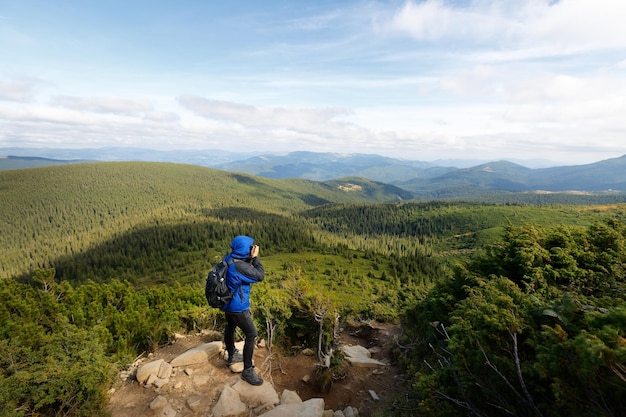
{"points": [[216, 290]]}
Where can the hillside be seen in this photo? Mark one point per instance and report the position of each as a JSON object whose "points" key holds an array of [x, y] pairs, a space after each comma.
{"points": [[103, 262], [86, 204]]}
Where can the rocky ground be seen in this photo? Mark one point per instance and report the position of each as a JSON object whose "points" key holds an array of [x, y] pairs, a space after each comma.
{"points": [[194, 390]]}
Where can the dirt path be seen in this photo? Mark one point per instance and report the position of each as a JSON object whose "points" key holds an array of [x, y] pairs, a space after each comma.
{"points": [[194, 390]]}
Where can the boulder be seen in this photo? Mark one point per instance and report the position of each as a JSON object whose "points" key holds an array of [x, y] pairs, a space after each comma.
{"points": [[255, 396], [290, 397], [165, 370], [229, 404], [359, 356], [198, 355], [150, 368], [158, 403], [309, 408]]}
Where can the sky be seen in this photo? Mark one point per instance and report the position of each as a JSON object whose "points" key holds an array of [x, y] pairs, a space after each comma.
{"points": [[418, 80]]}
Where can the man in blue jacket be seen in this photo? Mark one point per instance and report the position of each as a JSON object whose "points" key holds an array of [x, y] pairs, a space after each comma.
{"points": [[244, 271]]}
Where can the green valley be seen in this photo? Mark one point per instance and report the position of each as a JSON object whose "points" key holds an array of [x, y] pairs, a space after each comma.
{"points": [[102, 261]]}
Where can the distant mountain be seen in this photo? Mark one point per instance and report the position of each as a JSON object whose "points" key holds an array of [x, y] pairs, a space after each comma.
{"points": [[326, 166], [609, 174], [422, 179], [20, 162], [203, 157], [504, 176], [429, 180]]}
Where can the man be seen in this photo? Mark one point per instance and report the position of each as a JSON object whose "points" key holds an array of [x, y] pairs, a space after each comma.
{"points": [[244, 271]]}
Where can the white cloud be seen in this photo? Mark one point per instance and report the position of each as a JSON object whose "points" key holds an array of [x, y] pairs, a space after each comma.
{"points": [[114, 105], [270, 117], [435, 20], [575, 24], [543, 26], [20, 89], [423, 79]]}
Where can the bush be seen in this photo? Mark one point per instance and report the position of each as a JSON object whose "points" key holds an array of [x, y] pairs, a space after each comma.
{"points": [[534, 327]]}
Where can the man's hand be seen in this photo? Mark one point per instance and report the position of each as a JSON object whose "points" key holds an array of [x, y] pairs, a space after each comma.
{"points": [[254, 251]]}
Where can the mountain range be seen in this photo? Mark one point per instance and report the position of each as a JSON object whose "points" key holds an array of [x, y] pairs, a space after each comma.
{"points": [[437, 179]]}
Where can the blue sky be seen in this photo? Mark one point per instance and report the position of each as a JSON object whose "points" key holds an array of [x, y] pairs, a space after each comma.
{"points": [[422, 80]]}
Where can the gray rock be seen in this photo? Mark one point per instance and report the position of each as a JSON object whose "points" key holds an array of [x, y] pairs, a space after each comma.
{"points": [[195, 402], [165, 370], [160, 382], [198, 355], [229, 404], [290, 397], [350, 412], [255, 396], [359, 356], [158, 403], [150, 368], [309, 408]]}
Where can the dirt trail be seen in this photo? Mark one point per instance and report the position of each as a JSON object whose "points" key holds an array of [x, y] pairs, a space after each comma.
{"points": [[200, 386]]}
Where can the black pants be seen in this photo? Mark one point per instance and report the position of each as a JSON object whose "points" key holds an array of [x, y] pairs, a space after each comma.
{"points": [[244, 322]]}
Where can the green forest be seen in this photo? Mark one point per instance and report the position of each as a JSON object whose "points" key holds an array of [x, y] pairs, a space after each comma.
{"points": [[507, 309]]}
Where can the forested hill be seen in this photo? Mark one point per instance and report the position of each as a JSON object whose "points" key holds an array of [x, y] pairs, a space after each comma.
{"points": [[87, 204], [506, 309]]}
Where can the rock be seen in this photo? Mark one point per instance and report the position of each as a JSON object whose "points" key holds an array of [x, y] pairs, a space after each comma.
{"points": [[236, 367], [339, 413], [350, 412], [309, 408], [165, 370], [150, 368], [290, 397], [328, 413], [229, 404], [255, 396], [158, 403], [197, 355], [359, 356], [374, 395], [195, 402], [374, 350], [201, 380], [308, 352], [151, 379], [160, 382]]}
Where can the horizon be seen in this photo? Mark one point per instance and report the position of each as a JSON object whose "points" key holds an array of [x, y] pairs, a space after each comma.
{"points": [[55, 154], [417, 80]]}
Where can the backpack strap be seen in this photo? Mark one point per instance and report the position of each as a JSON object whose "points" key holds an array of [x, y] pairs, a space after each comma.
{"points": [[232, 261]]}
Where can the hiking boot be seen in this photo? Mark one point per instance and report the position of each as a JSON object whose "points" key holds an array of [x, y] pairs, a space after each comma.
{"points": [[251, 377], [235, 357]]}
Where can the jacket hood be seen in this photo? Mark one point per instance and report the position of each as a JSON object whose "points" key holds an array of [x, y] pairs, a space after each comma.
{"points": [[240, 246]]}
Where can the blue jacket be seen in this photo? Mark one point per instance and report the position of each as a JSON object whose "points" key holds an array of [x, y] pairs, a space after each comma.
{"points": [[241, 273]]}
